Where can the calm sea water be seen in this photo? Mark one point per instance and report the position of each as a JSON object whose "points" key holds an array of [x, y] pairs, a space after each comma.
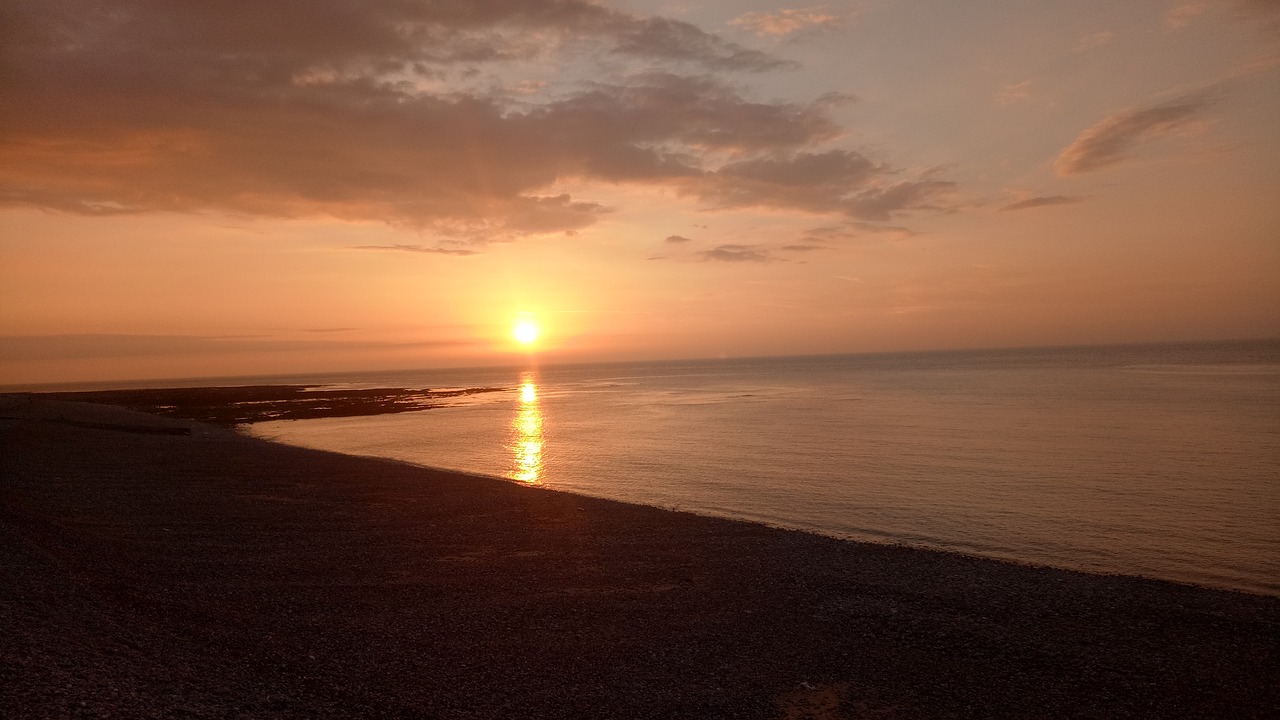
{"points": [[1161, 461]]}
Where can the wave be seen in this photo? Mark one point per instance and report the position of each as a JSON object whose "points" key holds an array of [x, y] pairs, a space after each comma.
{"points": [[1208, 369]]}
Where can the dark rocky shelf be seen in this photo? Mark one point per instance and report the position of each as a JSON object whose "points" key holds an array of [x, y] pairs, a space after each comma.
{"points": [[230, 406]]}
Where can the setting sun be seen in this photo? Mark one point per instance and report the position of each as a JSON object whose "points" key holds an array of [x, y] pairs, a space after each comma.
{"points": [[552, 332], [525, 332]]}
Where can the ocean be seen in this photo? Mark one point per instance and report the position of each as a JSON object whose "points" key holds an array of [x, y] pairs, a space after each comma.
{"points": [[1154, 460]]}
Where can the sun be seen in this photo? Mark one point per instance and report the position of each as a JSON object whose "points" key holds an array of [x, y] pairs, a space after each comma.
{"points": [[525, 332]]}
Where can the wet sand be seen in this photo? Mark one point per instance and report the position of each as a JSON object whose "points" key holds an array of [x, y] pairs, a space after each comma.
{"points": [[150, 573]]}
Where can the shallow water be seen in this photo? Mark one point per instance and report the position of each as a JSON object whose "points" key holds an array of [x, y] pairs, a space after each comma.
{"points": [[1155, 460]]}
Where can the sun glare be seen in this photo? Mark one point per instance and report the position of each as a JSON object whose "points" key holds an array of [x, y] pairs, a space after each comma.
{"points": [[525, 332]]}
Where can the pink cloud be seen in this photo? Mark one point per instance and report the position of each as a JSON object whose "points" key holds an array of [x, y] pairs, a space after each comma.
{"points": [[349, 110], [784, 22], [1110, 140]]}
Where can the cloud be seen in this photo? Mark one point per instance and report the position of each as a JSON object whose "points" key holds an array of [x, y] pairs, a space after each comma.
{"points": [[677, 239], [851, 231], [1185, 13], [1264, 12], [1014, 93], [418, 249], [649, 126], [803, 248], [671, 39], [837, 182], [784, 22], [897, 230], [533, 214], [886, 200], [29, 348], [1041, 202], [361, 110], [736, 253], [1258, 7], [1093, 40], [1182, 14], [829, 233], [1107, 142], [344, 37], [397, 112]]}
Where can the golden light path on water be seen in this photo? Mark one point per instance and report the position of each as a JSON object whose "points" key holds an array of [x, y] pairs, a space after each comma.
{"points": [[527, 447]]}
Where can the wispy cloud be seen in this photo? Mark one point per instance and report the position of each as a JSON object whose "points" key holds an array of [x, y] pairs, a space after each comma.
{"points": [[663, 38], [418, 249], [736, 253], [28, 348], [1182, 14], [364, 110], [851, 231], [1014, 93], [1034, 202], [1110, 140], [834, 182], [1095, 40], [1257, 8], [370, 111], [1264, 12], [676, 239], [786, 21]]}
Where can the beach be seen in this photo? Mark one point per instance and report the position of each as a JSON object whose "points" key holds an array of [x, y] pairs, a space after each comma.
{"points": [[160, 567]]}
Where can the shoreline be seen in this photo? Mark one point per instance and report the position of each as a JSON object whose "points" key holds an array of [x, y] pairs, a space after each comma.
{"points": [[246, 404], [211, 574]]}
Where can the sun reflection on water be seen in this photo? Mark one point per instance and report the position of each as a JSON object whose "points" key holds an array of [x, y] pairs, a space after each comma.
{"points": [[527, 448]]}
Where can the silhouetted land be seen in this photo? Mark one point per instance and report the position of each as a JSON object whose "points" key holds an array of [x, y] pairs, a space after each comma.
{"points": [[210, 575], [229, 406]]}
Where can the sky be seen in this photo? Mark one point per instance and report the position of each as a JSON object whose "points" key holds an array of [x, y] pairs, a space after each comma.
{"points": [[217, 188]]}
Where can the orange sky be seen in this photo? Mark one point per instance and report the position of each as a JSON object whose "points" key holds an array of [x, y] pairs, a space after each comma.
{"points": [[213, 188]]}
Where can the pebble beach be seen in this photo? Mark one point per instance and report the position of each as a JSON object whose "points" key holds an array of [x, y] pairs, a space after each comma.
{"points": [[160, 567]]}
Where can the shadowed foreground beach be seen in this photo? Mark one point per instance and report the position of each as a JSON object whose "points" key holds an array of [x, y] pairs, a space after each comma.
{"points": [[149, 573]]}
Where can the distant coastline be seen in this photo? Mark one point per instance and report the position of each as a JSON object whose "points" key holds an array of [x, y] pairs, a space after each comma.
{"points": [[230, 406], [1263, 349]]}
